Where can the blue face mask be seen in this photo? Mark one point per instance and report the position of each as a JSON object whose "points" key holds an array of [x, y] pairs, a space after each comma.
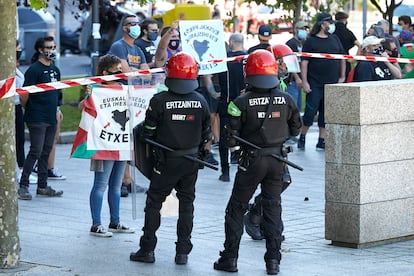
{"points": [[152, 36], [302, 34], [134, 31], [398, 28], [332, 28]]}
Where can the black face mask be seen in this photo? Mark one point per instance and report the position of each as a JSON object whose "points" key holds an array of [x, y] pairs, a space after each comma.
{"points": [[378, 51], [18, 54], [394, 53], [174, 44], [114, 73]]}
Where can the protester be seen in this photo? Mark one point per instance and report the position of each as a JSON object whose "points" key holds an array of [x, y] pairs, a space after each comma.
{"points": [[404, 22], [149, 34], [317, 72], [40, 117], [346, 36], [372, 70], [172, 170], [294, 82], [231, 84], [407, 51], [132, 59], [258, 166], [168, 45], [108, 173], [19, 122], [265, 35]]}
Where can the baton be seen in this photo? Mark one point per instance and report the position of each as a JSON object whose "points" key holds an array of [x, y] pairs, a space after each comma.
{"points": [[189, 157], [278, 157]]}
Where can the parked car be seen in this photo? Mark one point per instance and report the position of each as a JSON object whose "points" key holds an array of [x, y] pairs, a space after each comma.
{"points": [[33, 24]]}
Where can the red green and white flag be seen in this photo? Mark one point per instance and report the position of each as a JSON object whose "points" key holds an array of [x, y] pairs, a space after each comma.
{"points": [[104, 129]]}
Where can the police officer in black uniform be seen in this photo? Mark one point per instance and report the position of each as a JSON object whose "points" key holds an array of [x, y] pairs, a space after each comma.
{"points": [[265, 117], [179, 119]]}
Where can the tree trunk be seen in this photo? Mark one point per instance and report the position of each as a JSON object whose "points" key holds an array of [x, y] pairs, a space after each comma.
{"points": [[9, 239]]}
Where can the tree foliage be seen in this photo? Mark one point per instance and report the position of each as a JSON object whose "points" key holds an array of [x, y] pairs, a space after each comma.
{"points": [[387, 12]]}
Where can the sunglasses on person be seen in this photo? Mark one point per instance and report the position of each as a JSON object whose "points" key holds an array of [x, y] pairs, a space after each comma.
{"points": [[133, 23]]}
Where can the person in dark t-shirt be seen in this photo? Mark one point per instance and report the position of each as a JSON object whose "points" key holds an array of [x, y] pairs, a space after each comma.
{"points": [[317, 72], [40, 118], [149, 34]]}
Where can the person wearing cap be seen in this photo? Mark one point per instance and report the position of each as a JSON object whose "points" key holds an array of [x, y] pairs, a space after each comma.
{"points": [[266, 117], [317, 72], [179, 119], [346, 36], [265, 35], [375, 70], [300, 32]]}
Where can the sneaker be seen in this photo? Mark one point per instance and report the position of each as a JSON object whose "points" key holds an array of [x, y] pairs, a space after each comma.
{"points": [[23, 193], [53, 174], [320, 145], [210, 159], [224, 178], [100, 231], [48, 191], [119, 228], [142, 256], [301, 143], [124, 190], [138, 189]]}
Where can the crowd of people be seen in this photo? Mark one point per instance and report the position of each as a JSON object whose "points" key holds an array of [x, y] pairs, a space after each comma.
{"points": [[251, 111]]}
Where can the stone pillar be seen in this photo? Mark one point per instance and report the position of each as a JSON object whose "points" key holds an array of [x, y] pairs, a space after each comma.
{"points": [[369, 175]]}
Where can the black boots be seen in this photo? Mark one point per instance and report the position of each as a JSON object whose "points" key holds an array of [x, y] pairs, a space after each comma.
{"points": [[272, 267], [142, 256], [226, 264], [181, 259]]}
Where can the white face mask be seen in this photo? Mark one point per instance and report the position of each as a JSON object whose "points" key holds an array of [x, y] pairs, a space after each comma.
{"points": [[332, 28]]}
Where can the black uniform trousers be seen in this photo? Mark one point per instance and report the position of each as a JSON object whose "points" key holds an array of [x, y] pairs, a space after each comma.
{"points": [[223, 148], [268, 171], [181, 174]]}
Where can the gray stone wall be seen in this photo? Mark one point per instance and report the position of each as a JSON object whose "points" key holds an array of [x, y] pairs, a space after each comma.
{"points": [[369, 170]]}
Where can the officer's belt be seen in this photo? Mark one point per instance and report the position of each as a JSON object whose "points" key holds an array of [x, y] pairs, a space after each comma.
{"points": [[269, 151], [177, 153]]}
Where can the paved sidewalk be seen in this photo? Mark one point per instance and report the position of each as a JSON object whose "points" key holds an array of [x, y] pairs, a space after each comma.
{"points": [[55, 240]]}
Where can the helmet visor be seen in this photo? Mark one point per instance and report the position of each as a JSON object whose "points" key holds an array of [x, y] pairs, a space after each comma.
{"points": [[292, 63]]}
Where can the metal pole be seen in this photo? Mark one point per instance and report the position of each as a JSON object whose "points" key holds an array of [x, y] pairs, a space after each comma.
{"points": [[95, 45], [364, 17], [57, 32]]}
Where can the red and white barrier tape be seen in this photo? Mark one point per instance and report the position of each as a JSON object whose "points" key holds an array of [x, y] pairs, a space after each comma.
{"points": [[6, 85]]}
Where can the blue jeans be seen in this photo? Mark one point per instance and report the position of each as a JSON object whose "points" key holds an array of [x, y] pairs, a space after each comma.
{"points": [[296, 94], [315, 104], [111, 176]]}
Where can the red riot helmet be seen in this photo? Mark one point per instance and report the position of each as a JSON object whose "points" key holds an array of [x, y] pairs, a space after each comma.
{"points": [[181, 73], [261, 70], [286, 59]]}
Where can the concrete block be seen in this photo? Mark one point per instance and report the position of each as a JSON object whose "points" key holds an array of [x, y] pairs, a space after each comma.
{"points": [[365, 224], [372, 103], [353, 184], [370, 144]]}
